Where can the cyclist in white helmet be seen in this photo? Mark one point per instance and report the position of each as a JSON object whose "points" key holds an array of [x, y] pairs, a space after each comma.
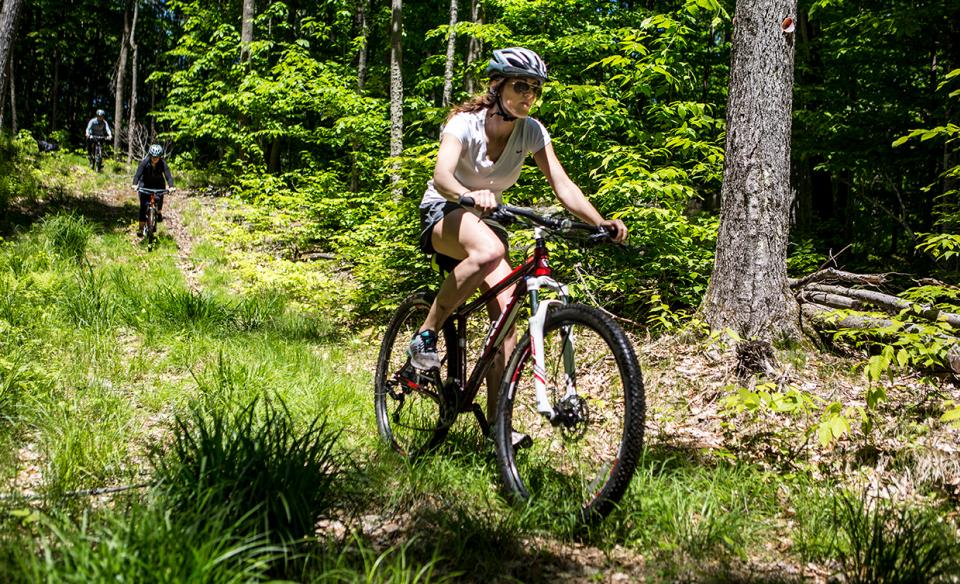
{"points": [[482, 148], [97, 129], [153, 173]]}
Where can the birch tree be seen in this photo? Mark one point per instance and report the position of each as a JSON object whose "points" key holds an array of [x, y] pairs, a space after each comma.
{"points": [[748, 289], [451, 53], [246, 31], [396, 92], [132, 123], [120, 79]]}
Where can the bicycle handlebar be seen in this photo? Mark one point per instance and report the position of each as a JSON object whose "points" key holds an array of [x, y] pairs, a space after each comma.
{"points": [[598, 233], [146, 190]]}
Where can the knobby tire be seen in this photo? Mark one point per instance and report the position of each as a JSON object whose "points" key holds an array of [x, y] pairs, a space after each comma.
{"points": [[411, 419], [582, 469]]}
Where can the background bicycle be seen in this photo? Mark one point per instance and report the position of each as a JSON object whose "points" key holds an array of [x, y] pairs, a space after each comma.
{"points": [[95, 154], [569, 422], [153, 214]]}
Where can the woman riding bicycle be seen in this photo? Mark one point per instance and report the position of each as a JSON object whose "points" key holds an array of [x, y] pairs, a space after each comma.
{"points": [[482, 149], [153, 173]]}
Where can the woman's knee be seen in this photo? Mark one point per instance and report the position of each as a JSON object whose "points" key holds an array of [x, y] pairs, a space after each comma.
{"points": [[488, 256]]}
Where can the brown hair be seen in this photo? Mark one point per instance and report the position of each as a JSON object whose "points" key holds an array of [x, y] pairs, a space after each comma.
{"points": [[480, 101]]}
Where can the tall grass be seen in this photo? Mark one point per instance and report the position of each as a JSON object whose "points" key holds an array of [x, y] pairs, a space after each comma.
{"points": [[67, 235], [279, 476], [880, 541], [148, 543]]}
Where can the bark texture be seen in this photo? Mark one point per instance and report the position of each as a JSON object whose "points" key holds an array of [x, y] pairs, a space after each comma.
{"points": [[362, 8], [8, 20], [132, 122], [246, 31], [748, 290], [451, 53], [119, 81], [396, 92], [474, 48]]}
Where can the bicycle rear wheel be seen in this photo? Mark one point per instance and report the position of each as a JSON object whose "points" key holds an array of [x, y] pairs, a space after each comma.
{"points": [[409, 404], [582, 463]]}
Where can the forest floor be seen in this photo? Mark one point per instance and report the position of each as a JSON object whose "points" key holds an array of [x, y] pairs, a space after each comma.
{"points": [[738, 483]]}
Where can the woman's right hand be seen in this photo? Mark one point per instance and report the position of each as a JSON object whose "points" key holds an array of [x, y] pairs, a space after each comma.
{"points": [[483, 200]]}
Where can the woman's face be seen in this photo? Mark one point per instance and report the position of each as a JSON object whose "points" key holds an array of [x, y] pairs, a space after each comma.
{"points": [[519, 94], [154, 160]]}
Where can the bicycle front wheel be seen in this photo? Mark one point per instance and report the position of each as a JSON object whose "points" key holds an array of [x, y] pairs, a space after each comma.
{"points": [[409, 404], [580, 463], [151, 227]]}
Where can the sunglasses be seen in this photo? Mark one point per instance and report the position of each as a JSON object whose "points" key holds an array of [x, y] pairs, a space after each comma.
{"points": [[524, 87]]}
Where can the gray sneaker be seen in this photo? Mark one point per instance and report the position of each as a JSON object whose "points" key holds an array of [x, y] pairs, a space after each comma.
{"points": [[423, 351]]}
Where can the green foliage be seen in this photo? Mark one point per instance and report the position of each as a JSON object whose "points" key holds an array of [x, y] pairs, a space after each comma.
{"points": [[19, 168]]}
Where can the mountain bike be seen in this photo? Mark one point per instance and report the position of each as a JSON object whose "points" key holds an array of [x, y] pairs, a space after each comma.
{"points": [[150, 227], [572, 389], [96, 153]]}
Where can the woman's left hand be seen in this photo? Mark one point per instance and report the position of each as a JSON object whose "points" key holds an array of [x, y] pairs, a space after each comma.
{"points": [[617, 229]]}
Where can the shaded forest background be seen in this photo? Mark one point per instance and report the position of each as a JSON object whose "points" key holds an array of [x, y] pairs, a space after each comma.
{"points": [[635, 106]]}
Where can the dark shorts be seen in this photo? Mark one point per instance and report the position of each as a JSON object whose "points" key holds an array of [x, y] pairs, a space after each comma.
{"points": [[431, 214]]}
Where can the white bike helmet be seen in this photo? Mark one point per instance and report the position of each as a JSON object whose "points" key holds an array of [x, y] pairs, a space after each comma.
{"points": [[156, 150], [101, 113], [517, 62]]}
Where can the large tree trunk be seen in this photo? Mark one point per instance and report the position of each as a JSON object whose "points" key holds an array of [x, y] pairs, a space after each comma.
{"points": [[132, 123], [8, 20], [120, 81], [473, 49], [246, 31], [451, 53], [748, 290], [396, 93]]}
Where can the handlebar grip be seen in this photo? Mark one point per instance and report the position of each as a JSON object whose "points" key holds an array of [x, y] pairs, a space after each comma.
{"points": [[466, 201]]}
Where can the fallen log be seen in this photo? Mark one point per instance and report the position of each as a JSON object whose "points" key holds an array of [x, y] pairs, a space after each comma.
{"points": [[834, 275], [826, 318], [880, 300]]}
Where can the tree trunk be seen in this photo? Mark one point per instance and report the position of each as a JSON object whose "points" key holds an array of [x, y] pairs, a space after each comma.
{"points": [[748, 290], [120, 81], [13, 94], [8, 21], [246, 31], [132, 123], [396, 93], [362, 7], [56, 91], [474, 48], [451, 53]]}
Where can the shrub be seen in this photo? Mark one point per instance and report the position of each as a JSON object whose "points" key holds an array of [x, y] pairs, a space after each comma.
{"points": [[277, 477]]}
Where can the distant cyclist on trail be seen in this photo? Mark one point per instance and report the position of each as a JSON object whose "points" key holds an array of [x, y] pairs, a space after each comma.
{"points": [[482, 148], [97, 128], [153, 173]]}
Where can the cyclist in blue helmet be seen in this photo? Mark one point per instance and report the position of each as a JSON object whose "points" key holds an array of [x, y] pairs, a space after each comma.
{"points": [[153, 173], [482, 149]]}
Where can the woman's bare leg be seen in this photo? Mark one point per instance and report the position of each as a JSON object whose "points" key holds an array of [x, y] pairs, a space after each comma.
{"points": [[465, 237]]}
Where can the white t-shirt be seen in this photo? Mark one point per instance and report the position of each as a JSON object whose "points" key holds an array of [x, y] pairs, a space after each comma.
{"points": [[474, 170]]}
